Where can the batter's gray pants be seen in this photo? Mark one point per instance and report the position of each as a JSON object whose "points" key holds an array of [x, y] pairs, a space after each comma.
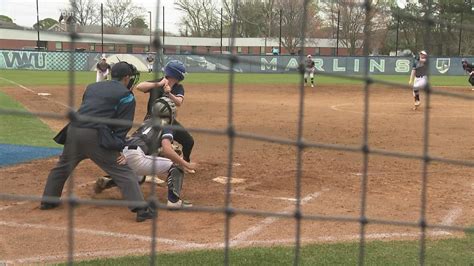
{"points": [[82, 143]]}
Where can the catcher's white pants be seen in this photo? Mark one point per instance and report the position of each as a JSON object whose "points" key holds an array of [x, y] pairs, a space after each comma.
{"points": [[309, 73], [101, 75], [419, 83], [143, 164]]}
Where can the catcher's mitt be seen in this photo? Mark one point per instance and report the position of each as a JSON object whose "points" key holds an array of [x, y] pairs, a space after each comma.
{"points": [[178, 149]]}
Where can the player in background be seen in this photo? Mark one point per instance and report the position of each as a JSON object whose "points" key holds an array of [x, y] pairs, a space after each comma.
{"points": [[103, 69], [150, 59], [418, 76], [309, 70], [469, 68]]}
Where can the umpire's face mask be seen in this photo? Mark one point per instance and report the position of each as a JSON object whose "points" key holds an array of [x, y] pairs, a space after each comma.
{"points": [[133, 80]]}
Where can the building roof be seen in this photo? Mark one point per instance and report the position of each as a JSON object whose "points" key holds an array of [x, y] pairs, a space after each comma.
{"points": [[29, 34]]}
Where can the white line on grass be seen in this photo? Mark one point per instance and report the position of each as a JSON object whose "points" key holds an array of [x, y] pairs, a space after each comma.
{"points": [[143, 251], [85, 254], [32, 91], [375, 236], [183, 244], [18, 84], [253, 230]]}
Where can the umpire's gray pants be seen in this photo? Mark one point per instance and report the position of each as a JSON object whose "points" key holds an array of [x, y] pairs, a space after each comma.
{"points": [[82, 143]]}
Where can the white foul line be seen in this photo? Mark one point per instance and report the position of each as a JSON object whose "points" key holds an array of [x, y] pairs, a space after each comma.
{"points": [[32, 91], [183, 244], [18, 84], [262, 197], [121, 253], [13, 205], [376, 236], [451, 216], [242, 236]]}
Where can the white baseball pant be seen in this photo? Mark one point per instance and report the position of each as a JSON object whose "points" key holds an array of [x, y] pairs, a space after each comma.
{"points": [[143, 164]]}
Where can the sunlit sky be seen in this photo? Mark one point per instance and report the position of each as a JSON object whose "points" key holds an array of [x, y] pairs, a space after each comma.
{"points": [[23, 12]]}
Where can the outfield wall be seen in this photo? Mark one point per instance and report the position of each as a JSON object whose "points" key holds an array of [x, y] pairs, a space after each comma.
{"points": [[42, 60]]}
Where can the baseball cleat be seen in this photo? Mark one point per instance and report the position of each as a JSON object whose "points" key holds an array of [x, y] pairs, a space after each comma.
{"points": [[312, 86], [179, 204], [417, 103], [102, 183], [145, 214], [190, 171], [156, 180]]}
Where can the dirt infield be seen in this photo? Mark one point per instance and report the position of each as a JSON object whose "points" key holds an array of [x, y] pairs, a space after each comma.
{"points": [[331, 180]]}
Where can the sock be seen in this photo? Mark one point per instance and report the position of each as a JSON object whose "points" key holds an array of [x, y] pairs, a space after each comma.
{"points": [[305, 80], [172, 197], [417, 97], [312, 80]]}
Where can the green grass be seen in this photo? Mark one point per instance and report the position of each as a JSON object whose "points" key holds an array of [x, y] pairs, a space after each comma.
{"points": [[458, 251], [61, 78], [23, 130]]}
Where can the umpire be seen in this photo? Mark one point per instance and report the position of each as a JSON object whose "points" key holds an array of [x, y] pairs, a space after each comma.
{"points": [[100, 142]]}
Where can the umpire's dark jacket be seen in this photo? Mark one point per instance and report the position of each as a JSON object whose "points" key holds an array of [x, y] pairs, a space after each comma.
{"points": [[106, 99]]}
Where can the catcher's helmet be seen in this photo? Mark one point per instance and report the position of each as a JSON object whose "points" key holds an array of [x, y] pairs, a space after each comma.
{"points": [[175, 69], [308, 56], [164, 109]]}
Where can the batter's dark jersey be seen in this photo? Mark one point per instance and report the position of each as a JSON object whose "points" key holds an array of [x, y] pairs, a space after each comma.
{"points": [[420, 69], [156, 93]]}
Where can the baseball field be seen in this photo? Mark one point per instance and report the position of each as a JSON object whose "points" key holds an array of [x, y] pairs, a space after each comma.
{"points": [[390, 182]]}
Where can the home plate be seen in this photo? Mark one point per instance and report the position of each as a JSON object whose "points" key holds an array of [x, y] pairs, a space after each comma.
{"points": [[223, 180], [43, 94]]}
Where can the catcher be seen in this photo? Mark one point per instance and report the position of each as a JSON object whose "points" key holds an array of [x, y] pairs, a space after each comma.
{"points": [[103, 69], [469, 68], [309, 70], [150, 140]]}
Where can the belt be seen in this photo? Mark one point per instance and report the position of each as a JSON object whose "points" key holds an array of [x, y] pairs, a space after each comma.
{"points": [[420, 76], [132, 147]]}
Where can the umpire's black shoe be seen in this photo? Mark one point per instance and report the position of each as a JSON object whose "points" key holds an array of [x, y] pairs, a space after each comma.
{"points": [[48, 206], [145, 214]]}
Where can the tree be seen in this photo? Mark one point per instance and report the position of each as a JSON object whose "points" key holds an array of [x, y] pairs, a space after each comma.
{"points": [[250, 18], [138, 23], [201, 17], [120, 13], [45, 24], [4, 18], [85, 12], [352, 21], [293, 20]]}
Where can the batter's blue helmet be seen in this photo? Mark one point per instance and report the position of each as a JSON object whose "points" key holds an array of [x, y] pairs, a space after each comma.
{"points": [[175, 69]]}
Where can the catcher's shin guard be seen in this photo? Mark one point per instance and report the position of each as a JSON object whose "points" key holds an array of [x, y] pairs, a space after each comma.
{"points": [[175, 181]]}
